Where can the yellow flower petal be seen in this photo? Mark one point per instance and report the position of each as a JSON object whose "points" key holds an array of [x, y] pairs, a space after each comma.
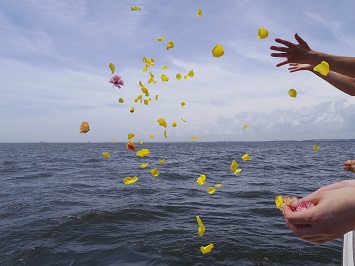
{"points": [[201, 227], [84, 127], [174, 124], [165, 134], [170, 45], [144, 165], [245, 126], [130, 136], [183, 120], [151, 136], [144, 69], [156, 97], [155, 172], [206, 249], [161, 38], [186, 76], [201, 179], [143, 153], [316, 148], [263, 33], [199, 13], [194, 138], [246, 157], [146, 101], [292, 93], [112, 67], [178, 76], [322, 68], [164, 67], [234, 166], [164, 78], [130, 180], [161, 161], [211, 190], [218, 50], [183, 104], [120, 100], [237, 171], [106, 154], [162, 122], [135, 8], [279, 200], [132, 110], [140, 142], [191, 74], [218, 185]]}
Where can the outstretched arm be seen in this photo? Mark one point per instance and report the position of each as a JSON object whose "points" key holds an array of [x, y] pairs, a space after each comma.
{"points": [[300, 52]]}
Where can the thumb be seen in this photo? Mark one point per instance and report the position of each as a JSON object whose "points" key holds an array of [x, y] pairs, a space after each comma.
{"points": [[314, 198]]}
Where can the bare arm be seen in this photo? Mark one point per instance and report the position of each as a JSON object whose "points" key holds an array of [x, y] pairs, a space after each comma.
{"points": [[300, 52]]}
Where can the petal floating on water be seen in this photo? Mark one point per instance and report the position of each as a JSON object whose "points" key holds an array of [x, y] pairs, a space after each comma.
{"points": [[194, 138], [161, 38], [178, 76], [322, 68], [130, 180], [263, 33], [237, 171], [170, 45], [211, 190], [316, 148], [206, 249], [130, 145], [144, 165], [201, 227], [218, 50], [140, 142], [183, 104], [143, 153], [161, 161], [84, 128], [201, 179], [246, 157], [218, 185], [154, 172], [106, 154], [164, 78], [292, 93], [120, 100], [135, 8], [174, 124], [112, 67], [234, 166], [199, 13]]}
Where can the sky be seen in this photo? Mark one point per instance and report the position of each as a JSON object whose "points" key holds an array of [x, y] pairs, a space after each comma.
{"points": [[54, 58]]}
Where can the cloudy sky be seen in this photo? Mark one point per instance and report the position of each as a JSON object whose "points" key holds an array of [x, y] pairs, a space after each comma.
{"points": [[54, 58]]}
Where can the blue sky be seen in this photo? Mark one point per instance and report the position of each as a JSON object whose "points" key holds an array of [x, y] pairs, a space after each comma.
{"points": [[54, 58]]}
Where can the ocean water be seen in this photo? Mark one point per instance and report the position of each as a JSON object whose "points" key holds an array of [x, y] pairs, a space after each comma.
{"points": [[64, 204]]}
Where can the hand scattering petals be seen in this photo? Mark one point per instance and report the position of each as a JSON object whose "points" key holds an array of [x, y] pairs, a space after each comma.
{"points": [[263, 33], [84, 128], [293, 203], [106, 154], [201, 180], [130, 180], [112, 67], [201, 227], [322, 68], [206, 249], [218, 50], [292, 93]]}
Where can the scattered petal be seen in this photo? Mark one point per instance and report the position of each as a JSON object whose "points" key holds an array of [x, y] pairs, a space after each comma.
{"points": [[130, 145], [130, 180], [164, 78], [114, 139], [245, 126], [206, 249], [263, 33], [246, 157], [155, 172], [144, 165], [234, 166], [178, 76], [218, 185], [161, 38], [237, 171], [194, 138], [174, 124], [322, 68], [292, 93], [164, 67], [112, 67], [186, 76], [156, 97], [211, 190], [199, 13], [201, 227], [191, 74], [116, 81], [183, 120], [151, 136], [143, 153], [120, 100], [165, 134], [183, 104], [132, 110], [218, 50], [316, 148], [140, 142], [130, 136], [135, 8], [170, 45], [162, 122], [84, 128], [201, 179], [279, 200], [106, 154], [161, 161]]}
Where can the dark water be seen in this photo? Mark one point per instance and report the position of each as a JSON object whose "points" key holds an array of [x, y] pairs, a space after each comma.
{"points": [[63, 204]]}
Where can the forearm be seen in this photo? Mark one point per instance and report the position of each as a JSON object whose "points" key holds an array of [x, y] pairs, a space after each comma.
{"points": [[344, 83]]}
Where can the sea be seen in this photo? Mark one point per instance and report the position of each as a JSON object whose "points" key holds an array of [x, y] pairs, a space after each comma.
{"points": [[65, 204]]}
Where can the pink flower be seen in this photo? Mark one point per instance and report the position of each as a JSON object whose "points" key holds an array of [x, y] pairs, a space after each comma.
{"points": [[116, 81]]}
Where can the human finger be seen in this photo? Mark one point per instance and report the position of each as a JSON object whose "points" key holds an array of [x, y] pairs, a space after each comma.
{"points": [[282, 63], [284, 42], [297, 218], [299, 39], [278, 54], [278, 48]]}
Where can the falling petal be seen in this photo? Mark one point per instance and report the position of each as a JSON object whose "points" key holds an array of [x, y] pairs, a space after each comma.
{"points": [[120, 100], [183, 120], [144, 69], [191, 74], [135, 8], [211, 190], [322, 68], [201, 227], [151, 136], [131, 146], [183, 104], [155, 172], [130, 180], [114, 139], [279, 200], [84, 128], [156, 97], [199, 13], [116, 81], [246, 157], [144, 165], [178, 76], [162, 122], [170, 45], [186, 76], [146, 101], [161, 38], [130, 136], [194, 138], [140, 142], [201, 179], [245, 126], [218, 185], [263, 33], [165, 134], [164, 67], [132, 110], [144, 89], [218, 50], [206, 249], [316, 148], [112, 67], [161, 161], [106, 155], [234, 166], [174, 124], [292, 93], [143, 153], [164, 78]]}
